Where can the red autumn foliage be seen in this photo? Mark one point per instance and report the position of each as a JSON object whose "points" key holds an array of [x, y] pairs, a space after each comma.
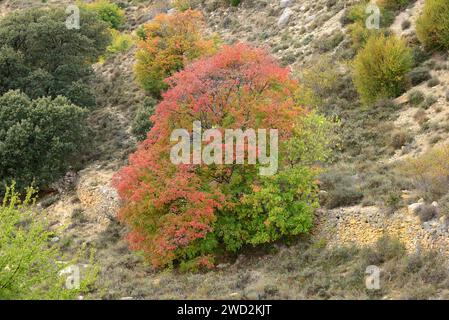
{"points": [[172, 209]]}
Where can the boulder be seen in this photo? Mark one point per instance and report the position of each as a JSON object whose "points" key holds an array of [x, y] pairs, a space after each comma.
{"points": [[415, 207], [284, 18]]}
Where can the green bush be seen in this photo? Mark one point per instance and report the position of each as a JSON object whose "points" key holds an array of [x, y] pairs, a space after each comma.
{"points": [[108, 12], [386, 248], [341, 188], [41, 57], [393, 5], [170, 42], [30, 266], [381, 68], [357, 16], [432, 27], [121, 42], [416, 97], [142, 124], [39, 139], [419, 75]]}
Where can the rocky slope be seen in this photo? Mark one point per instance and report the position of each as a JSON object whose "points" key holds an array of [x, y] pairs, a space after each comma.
{"points": [[85, 203]]}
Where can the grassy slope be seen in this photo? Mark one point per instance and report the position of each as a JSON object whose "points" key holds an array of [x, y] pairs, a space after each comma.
{"points": [[305, 269]]}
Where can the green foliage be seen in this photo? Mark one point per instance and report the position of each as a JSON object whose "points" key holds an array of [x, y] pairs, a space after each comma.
{"points": [[121, 43], [419, 75], [386, 248], [39, 139], [182, 5], [341, 188], [187, 214], [429, 172], [107, 12], [38, 53], [432, 27], [169, 42], [282, 206], [416, 97], [30, 266], [357, 16], [234, 3], [381, 68], [142, 124], [318, 81], [393, 5]]}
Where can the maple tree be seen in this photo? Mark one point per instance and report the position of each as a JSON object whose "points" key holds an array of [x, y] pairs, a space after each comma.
{"points": [[169, 42], [187, 213]]}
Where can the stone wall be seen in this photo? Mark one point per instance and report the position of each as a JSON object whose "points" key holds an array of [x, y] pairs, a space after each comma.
{"points": [[364, 225]]}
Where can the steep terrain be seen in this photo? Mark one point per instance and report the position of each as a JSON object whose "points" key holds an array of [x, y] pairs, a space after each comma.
{"points": [[325, 265]]}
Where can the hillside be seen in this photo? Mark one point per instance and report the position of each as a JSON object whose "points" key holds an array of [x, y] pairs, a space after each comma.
{"points": [[371, 211]]}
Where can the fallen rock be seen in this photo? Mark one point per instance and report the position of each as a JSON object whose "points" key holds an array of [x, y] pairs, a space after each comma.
{"points": [[284, 18]]}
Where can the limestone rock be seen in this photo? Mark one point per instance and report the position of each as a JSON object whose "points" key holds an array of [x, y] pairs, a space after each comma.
{"points": [[284, 18], [415, 207]]}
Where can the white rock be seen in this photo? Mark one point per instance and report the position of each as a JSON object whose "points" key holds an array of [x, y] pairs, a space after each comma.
{"points": [[283, 19], [171, 11], [414, 207], [309, 18], [435, 204], [286, 3]]}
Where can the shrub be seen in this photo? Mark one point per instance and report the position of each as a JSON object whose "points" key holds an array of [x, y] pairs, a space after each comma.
{"points": [[329, 42], [28, 268], [319, 81], [357, 16], [393, 4], [420, 55], [432, 27], [360, 34], [107, 12], [386, 248], [416, 97], [406, 24], [33, 59], [170, 42], [381, 67], [184, 213], [426, 212], [430, 172], [142, 124], [182, 5], [430, 101], [400, 138], [39, 139], [419, 75], [341, 188], [121, 42], [433, 82]]}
